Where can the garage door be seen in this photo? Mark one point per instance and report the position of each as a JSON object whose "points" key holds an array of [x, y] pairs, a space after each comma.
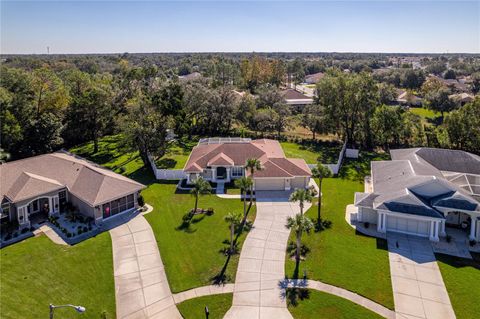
{"points": [[298, 182], [406, 225], [269, 184]]}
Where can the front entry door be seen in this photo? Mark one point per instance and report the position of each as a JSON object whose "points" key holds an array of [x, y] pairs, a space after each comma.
{"points": [[221, 173]]}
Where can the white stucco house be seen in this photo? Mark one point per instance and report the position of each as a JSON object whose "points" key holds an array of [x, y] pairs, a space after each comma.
{"points": [[222, 160], [423, 191]]}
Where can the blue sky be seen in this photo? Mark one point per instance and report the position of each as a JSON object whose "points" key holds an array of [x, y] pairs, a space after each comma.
{"points": [[232, 26]]}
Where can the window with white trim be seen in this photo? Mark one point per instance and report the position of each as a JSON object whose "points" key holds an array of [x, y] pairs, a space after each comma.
{"points": [[237, 171]]}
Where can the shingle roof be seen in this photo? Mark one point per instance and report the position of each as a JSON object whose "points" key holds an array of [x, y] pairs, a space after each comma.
{"points": [[34, 176], [221, 159]]}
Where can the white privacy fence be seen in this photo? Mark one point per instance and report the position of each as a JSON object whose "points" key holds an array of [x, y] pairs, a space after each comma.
{"points": [[335, 168], [168, 174]]}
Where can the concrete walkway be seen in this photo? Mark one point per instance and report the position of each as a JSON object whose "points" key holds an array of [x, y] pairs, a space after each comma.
{"points": [[141, 286], [202, 291], [50, 233], [258, 291], [343, 293], [418, 287]]}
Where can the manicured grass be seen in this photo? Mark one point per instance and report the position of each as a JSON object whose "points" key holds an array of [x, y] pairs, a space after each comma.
{"points": [[111, 154], [177, 155], [193, 254], [218, 306], [312, 153], [37, 272], [338, 255], [462, 279], [316, 304]]}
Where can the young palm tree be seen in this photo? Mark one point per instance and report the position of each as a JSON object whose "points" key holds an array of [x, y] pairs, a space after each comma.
{"points": [[233, 219], [320, 172], [302, 195], [200, 187], [299, 224], [252, 165], [244, 183]]}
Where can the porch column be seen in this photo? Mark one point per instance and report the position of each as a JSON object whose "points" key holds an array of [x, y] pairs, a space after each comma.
{"points": [[50, 206], [473, 228], [434, 231], [442, 229], [381, 222]]}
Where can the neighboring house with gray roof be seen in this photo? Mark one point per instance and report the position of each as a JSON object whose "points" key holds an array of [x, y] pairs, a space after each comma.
{"points": [[45, 185], [222, 160], [423, 190]]}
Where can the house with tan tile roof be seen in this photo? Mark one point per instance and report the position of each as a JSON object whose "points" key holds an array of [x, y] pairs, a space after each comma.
{"points": [[42, 186], [223, 160]]}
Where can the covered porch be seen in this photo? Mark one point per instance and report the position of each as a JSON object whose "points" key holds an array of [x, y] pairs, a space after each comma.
{"points": [[462, 223], [37, 210]]}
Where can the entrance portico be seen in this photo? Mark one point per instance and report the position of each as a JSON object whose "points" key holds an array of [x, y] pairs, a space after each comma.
{"points": [[42, 204]]}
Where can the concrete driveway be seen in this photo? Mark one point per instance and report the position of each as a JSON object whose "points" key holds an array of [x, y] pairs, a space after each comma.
{"points": [[258, 292], [418, 287]]}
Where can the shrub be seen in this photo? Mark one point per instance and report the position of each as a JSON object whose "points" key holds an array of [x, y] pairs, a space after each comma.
{"points": [[8, 236], [15, 235], [140, 201], [32, 228], [89, 227], [448, 238], [24, 230], [122, 169], [69, 235], [85, 229], [80, 231], [366, 224], [472, 242]]}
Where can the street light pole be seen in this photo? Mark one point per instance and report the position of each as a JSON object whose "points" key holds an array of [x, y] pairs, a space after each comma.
{"points": [[52, 307]]}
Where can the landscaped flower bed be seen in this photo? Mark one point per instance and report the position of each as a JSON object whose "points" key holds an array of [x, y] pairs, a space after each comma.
{"points": [[70, 226]]}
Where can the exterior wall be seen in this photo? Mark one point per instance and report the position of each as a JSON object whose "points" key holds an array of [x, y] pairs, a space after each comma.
{"points": [[368, 215], [82, 207]]}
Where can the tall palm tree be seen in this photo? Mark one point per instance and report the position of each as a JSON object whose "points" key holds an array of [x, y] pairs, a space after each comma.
{"points": [[320, 172], [200, 187], [252, 165], [299, 224], [244, 183], [302, 195], [233, 219]]}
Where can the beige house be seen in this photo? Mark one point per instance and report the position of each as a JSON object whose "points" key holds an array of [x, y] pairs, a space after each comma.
{"points": [[34, 188], [222, 160]]}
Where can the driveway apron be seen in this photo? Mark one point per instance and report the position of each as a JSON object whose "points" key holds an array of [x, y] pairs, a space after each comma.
{"points": [[418, 287]]}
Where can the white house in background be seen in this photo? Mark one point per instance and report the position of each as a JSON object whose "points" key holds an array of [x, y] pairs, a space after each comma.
{"points": [[423, 190], [295, 98], [223, 160]]}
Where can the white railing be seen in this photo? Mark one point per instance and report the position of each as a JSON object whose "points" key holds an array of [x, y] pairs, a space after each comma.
{"points": [[168, 174]]}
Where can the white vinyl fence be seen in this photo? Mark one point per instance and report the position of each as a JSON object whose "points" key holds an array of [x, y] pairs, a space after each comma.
{"points": [[335, 168], [168, 174]]}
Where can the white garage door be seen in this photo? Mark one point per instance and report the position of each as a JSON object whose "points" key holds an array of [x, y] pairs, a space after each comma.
{"points": [[406, 225], [298, 182], [269, 184]]}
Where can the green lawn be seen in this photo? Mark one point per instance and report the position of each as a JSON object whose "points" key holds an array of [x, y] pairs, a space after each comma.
{"points": [[308, 304], [177, 155], [218, 306], [192, 255], [462, 279], [338, 255], [424, 113], [312, 153], [37, 272]]}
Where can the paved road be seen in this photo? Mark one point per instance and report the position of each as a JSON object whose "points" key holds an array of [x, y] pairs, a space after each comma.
{"points": [[141, 286], [258, 291], [418, 287]]}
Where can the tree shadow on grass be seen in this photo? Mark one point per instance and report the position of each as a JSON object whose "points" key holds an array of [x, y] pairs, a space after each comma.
{"points": [[323, 225], [293, 295], [166, 163]]}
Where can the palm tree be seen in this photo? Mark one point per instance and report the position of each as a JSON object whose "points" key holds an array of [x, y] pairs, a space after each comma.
{"points": [[200, 187], [233, 219], [252, 165], [299, 224], [244, 184], [320, 172], [302, 195]]}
